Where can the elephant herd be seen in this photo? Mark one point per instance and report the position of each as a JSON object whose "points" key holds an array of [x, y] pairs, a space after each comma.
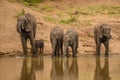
{"points": [[27, 25]]}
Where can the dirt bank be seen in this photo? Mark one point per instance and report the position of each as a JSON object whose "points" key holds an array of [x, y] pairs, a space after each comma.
{"points": [[10, 41]]}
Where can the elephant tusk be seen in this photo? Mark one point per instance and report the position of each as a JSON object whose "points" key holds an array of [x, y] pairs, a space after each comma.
{"points": [[22, 27]]}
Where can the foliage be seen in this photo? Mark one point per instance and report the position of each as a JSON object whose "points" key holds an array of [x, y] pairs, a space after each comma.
{"points": [[50, 19], [31, 2], [22, 12], [46, 8], [69, 20], [101, 9]]}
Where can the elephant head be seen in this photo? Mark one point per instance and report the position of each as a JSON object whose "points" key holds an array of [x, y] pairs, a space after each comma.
{"points": [[104, 31], [24, 23]]}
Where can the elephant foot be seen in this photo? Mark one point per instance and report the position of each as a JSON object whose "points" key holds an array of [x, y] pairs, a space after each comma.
{"points": [[34, 55], [52, 56], [67, 55], [25, 55], [106, 55], [74, 56], [62, 56], [97, 54]]}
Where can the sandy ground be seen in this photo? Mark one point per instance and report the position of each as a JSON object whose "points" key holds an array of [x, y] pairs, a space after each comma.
{"points": [[10, 43]]}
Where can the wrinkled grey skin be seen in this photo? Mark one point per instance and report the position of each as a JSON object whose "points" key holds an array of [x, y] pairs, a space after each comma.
{"points": [[56, 38], [71, 39], [26, 27], [39, 44], [102, 35]]}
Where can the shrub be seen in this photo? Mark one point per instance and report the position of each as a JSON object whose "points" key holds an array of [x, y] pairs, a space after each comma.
{"points": [[69, 20], [22, 12]]}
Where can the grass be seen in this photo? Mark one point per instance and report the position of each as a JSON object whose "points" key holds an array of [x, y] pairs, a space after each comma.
{"points": [[49, 19], [46, 7], [95, 10], [30, 2], [22, 12], [68, 21], [101, 9], [86, 23]]}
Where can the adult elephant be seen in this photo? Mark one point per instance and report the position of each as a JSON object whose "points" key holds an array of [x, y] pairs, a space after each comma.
{"points": [[71, 39], [56, 38], [102, 35], [26, 27]]}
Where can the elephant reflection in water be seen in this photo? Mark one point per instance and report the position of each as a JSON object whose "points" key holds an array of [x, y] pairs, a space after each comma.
{"points": [[64, 71], [71, 70], [102, 73], [30, 66], [57, 69]]}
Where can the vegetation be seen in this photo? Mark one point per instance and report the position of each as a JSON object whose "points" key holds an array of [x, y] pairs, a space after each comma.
{"points": [[101, 9], [30, 2], [46, 7], [22, 12], [50, 19], [69, 20]]}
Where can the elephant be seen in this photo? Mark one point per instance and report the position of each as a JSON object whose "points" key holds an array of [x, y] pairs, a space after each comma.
{"points": [[102, 73], [102, 34], [71, 39], [39, 44], [26, 27], [56, 38]]}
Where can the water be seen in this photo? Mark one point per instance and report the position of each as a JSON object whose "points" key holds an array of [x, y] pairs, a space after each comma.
{"points": [[45, 68]]}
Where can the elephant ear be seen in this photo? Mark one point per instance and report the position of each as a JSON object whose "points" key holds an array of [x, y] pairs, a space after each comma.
{"points": [[28, 22], [100, 30]]}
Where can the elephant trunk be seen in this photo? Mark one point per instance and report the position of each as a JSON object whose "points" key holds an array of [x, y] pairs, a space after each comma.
{"points": [[19, 27]]}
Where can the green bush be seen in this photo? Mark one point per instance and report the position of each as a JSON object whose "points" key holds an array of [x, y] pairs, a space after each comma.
{"points": [[69, 20], [32, 1], [50, 19], [22, 12]]}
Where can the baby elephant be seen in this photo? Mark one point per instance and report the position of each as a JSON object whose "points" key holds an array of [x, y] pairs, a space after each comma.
{"points": [[39, 45], [102, 35], [71, 39]]}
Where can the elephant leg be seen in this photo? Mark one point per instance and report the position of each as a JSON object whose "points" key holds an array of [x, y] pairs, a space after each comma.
{"points": [[58, 48], [53, 50], [74, 50], [42, 50], [98, 44], [61, 46], [67, 52], [24, 44], [33, 45], [106, 44], [98, 49]]}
